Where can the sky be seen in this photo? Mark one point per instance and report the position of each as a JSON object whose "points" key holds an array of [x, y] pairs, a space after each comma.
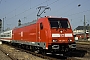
{"points": [[26, 10]]}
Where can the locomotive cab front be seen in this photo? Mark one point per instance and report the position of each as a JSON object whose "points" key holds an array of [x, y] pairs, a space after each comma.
{"points": [[61, 35]]}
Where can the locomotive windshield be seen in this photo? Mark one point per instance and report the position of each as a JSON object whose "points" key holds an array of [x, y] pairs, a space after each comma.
{"points": [[59, 23]]}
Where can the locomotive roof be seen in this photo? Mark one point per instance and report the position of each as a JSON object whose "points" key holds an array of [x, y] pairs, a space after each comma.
{"points": [[34, 21], [55, 17], [26, 24]]}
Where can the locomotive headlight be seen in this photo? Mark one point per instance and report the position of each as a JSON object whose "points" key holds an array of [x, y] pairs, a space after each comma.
{"points": [[70, 40], [54, 40]]}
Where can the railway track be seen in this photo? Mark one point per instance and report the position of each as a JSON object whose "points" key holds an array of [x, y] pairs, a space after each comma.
{"points": [[38, 55], [48, 57], [15, 54], [84, 47], [42, 57], [7, 54], [12, 50]]}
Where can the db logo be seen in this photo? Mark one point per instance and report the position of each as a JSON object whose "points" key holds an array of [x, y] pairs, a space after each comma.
{"points": [[62, 35]]}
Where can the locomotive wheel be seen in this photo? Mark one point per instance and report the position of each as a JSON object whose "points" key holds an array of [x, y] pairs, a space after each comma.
{"points": [[37, 50], [19, 46], [22, 46], [43, 52], [32, 48], [13, 44], [27, 47]]}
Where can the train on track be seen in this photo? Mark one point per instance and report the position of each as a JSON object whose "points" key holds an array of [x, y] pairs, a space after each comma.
{"points": [[47, 34]]}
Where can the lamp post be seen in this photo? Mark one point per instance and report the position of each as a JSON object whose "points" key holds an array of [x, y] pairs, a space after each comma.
{"points": [[3, 24], [84, 28], [0, 25], [89, 32]]}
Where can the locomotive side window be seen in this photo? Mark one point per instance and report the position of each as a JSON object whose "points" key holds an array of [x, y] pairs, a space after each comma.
{"points": [[41, 26], [59, 23]]}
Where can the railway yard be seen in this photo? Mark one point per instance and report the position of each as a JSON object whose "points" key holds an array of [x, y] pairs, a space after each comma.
{"points": [[11, 53], [61, 34], [8, 52]]}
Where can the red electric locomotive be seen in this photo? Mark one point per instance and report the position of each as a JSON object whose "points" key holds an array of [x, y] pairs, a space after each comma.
{"points": [[47, 34]]}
